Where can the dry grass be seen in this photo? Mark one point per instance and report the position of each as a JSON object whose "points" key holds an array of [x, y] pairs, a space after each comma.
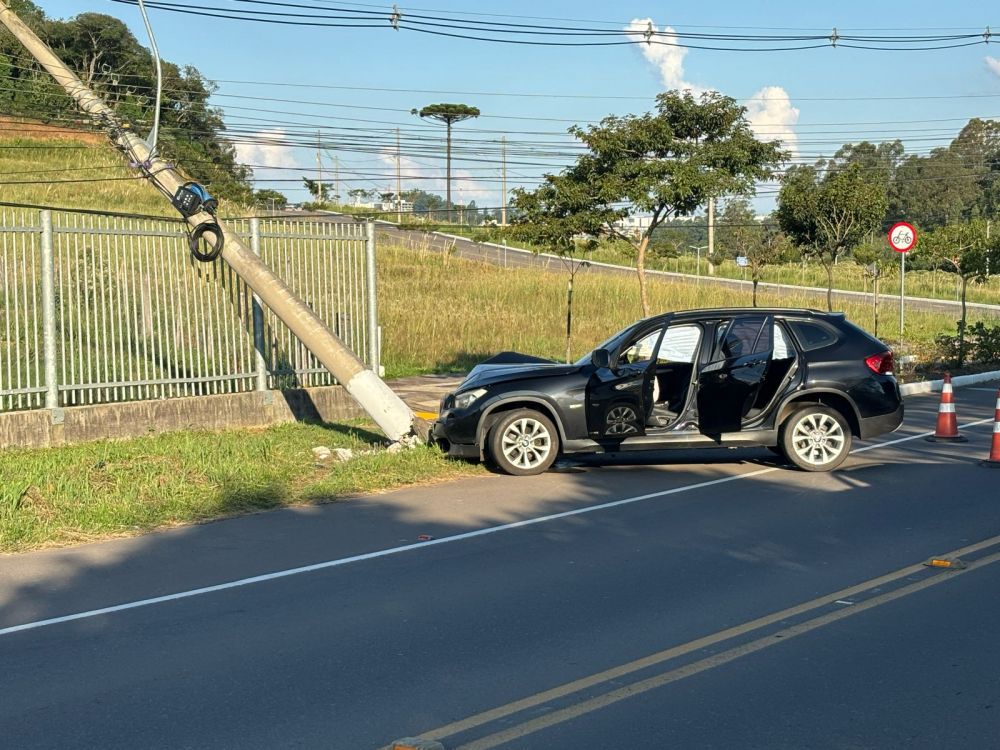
{"points": [[441, 313]]}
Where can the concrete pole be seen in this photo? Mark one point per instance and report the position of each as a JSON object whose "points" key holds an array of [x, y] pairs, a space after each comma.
{"points": [[399, 189], [503, 180], [388, 411], [319, 171]]}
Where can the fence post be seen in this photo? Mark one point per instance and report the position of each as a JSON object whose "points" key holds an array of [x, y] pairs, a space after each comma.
{"points": [[49, 319], [258, 316], [373, 332]]}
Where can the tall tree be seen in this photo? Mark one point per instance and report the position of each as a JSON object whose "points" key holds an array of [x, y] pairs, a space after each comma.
{"points": [[449, 114], [662, 164], [760, 244], [968, 250], [108, 57], [827, 213], [934, 190]]}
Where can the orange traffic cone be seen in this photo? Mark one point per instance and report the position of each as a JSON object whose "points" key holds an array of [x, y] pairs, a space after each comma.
{"points": [[947, 422], [993, 461]]}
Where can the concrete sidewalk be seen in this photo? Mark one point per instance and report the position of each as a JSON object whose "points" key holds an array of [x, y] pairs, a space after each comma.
{"points": [[423, 393]]}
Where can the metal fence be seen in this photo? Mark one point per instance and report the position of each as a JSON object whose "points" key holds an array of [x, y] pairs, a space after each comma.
{"points": [[96, 308]]}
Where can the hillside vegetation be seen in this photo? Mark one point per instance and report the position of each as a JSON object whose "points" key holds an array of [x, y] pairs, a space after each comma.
{"points": [[55, 166]]}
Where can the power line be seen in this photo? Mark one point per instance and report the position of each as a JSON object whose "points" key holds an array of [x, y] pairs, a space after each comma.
{"points": [[528, 34]]}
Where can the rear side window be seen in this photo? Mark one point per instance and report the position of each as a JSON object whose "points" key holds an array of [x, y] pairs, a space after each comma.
{"points": [[744, 337], [811, 334]]}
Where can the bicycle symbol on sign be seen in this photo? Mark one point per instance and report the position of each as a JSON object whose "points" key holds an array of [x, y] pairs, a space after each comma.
{"points": [[902, 238]]}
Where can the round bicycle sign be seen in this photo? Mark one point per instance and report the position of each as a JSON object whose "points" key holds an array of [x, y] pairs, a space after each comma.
{"points": [[902, 237]]}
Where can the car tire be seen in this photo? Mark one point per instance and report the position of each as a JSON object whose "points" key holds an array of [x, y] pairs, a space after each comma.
{"points": [[523, 442], [816, 438]]}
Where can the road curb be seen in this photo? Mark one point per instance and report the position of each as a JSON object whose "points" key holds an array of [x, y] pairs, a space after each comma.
{"points": [[934, 386]]}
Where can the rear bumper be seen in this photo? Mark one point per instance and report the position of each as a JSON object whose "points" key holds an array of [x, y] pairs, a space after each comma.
{"points": [[874, 426]]}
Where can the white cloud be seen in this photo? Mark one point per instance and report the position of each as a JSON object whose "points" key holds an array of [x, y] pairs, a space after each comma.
{"points": [[669, 60], [770, 110], [772, 117], [993, 64], [264, 154]]}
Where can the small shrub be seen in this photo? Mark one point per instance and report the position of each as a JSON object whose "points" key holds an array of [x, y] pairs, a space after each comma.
{"points": [[985, 342], [947, 348]]}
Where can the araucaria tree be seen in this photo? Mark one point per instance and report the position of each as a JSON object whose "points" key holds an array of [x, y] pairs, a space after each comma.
{"points": [[828, 211], [658, 165], [449, 114]]}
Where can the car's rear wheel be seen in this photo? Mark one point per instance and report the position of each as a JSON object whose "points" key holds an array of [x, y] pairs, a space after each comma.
{"points": [[816, 438], [523, 442]]}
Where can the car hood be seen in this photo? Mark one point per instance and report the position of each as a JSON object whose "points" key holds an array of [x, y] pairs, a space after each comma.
{"points": [[508, 366]]}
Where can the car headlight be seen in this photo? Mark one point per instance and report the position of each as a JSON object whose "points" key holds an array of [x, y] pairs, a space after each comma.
{"points": [[467, 398]]}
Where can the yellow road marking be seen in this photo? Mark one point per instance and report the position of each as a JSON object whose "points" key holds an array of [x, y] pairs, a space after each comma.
{"points": [[629, 691], [674, 652]]}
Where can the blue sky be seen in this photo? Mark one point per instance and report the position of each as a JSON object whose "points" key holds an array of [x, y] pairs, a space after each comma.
{"points": [[812, 99]]}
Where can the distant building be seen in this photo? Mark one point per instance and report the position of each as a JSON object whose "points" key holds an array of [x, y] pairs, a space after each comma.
{"points": [[634, 225]]}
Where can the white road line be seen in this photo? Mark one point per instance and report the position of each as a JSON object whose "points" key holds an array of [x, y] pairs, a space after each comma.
{"points": [[421, 545]]}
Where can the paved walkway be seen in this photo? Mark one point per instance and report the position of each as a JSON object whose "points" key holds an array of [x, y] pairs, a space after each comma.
{"points": [[423, 393]]}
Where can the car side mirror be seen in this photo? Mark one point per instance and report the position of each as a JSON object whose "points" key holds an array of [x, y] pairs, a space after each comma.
{"points": [[713, 366], [601, 358]]}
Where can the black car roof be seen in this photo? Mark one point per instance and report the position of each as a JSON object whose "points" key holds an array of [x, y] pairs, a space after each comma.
{"points": [[716, 312]]}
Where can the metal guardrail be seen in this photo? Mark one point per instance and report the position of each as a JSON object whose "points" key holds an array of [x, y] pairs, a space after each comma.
{"points": [[97, 309]]}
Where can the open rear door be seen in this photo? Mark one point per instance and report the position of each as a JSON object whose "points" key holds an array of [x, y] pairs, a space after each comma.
{"points": [[728, 385]]}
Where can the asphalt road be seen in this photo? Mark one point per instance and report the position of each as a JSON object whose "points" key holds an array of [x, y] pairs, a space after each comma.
{"points": [[621, 603], [516, 258]]}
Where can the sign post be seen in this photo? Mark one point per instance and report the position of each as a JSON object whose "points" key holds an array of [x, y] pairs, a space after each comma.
{"points": [[902, 239]]}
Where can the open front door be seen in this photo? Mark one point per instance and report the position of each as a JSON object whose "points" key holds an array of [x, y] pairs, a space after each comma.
{"points": [[619, 397], [728, 385]]}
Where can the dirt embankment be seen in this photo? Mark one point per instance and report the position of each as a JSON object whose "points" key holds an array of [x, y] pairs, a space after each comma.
{"points": [[19, 127]]}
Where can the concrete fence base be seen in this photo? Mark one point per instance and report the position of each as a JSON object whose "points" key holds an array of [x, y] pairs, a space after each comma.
{"points": [[41, 428]]}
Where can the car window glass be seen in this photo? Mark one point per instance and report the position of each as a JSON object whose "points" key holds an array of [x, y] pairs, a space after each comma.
{"points": [[642, 350], [680, 344], [812, 335], [781, 348], [765, 342], [741, 338]]}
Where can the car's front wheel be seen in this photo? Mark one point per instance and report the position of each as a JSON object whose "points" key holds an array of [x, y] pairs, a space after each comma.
{"points": [[523, 442], [816, 438]]}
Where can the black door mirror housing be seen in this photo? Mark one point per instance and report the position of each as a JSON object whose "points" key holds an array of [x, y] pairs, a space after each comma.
{"points": [[601, 358]]}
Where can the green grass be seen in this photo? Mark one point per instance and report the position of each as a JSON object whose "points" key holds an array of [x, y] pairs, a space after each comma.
{"points": [[443, 314], [26, 159], [66, 495], [847, 275]]}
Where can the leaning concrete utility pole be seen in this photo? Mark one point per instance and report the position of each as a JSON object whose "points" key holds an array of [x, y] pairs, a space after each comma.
{"points": [[393, 416]]}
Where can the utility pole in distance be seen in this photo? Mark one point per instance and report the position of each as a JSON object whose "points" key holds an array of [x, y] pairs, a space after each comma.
{"points": [[503, 180], [711, 236], [388, 411], [449, 114], [319, 171], [399, 183]]}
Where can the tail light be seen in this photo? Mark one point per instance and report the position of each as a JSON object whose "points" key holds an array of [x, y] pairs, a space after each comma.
{"points": [[880, 364]]}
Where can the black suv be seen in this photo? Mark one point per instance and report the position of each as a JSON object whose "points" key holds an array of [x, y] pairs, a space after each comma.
{"points": [[801, 382]]}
